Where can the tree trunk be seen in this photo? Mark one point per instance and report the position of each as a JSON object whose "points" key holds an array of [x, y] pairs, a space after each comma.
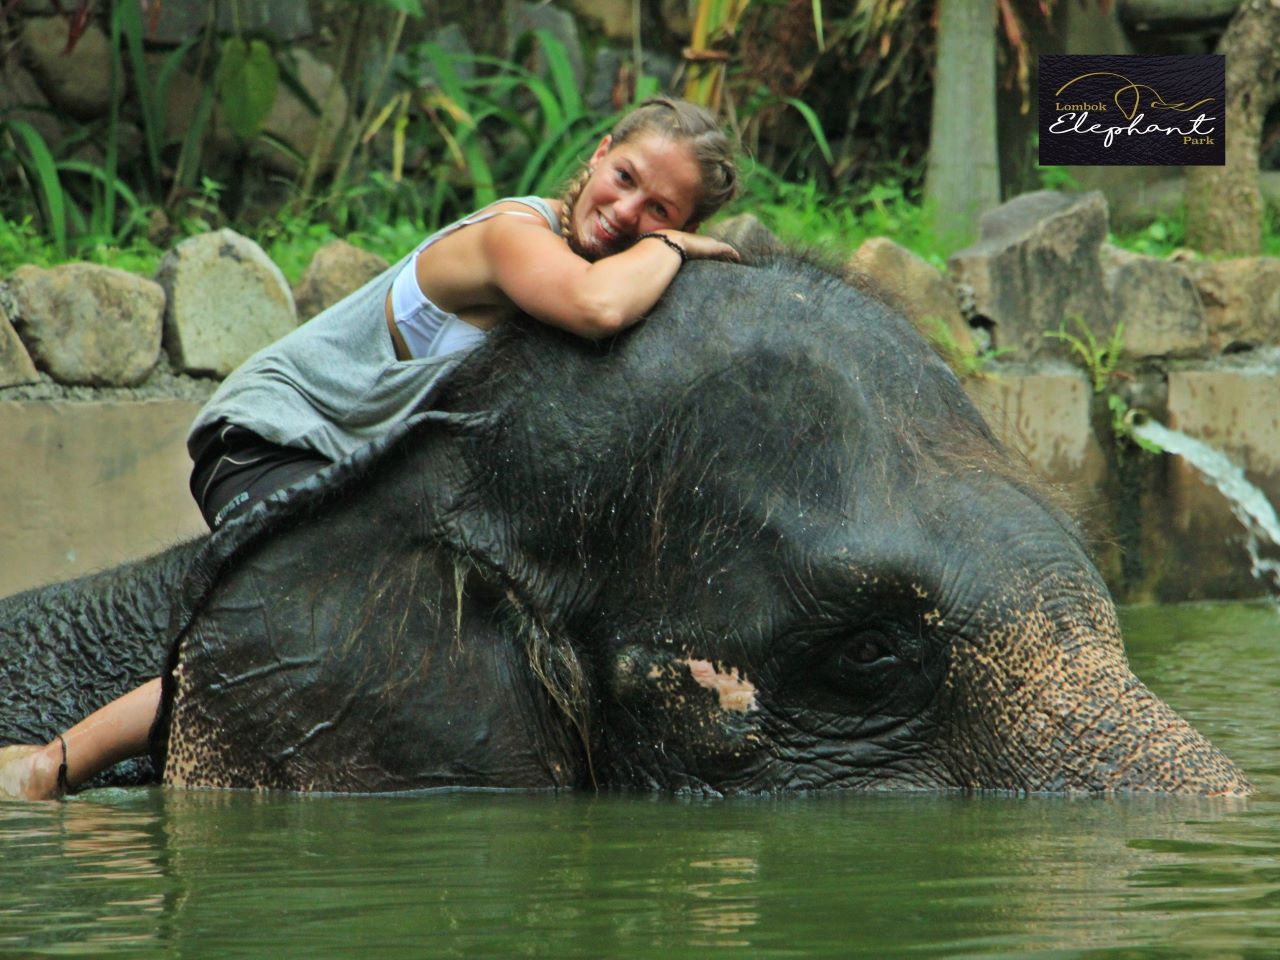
{"points": [[1224, 204], [963, 176]]}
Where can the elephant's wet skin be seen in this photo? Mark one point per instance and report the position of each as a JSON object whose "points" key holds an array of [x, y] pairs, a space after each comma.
{"points": [[763, 541]]}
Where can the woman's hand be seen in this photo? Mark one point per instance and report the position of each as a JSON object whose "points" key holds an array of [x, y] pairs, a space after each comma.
{"points": [[699, 247]]}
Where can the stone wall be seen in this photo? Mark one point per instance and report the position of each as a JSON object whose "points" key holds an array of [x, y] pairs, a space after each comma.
{"points": [[101, 372], [1198, 345]]}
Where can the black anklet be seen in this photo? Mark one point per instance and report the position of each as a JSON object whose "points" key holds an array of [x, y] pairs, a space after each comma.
{"points": [[63, 786]]}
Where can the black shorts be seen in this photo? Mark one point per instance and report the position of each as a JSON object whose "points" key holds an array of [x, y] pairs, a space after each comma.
{"points": [[234, 468]]}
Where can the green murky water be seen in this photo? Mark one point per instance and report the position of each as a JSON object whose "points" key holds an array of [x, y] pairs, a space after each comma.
{"points": [[155, 873]]}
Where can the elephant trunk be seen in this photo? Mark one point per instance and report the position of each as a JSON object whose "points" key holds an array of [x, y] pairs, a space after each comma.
{"points": [[1074, 718], [1135, 742]]}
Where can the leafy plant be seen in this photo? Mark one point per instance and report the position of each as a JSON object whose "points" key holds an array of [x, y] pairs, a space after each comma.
{"points": [[247, 81], [478, 128], [965, 362], [1057, 178], [713, 27], [37, 169], [838, 220], [1158, 239], [1100, 359]]}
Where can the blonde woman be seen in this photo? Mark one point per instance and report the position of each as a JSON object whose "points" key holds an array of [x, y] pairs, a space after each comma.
{"points": [[591, 262]]}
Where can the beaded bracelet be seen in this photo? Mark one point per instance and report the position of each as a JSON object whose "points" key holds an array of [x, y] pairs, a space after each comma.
{"points": [[684, 257]]}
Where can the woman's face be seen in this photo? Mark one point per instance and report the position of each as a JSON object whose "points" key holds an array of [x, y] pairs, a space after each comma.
{"points": [[647, 183]]}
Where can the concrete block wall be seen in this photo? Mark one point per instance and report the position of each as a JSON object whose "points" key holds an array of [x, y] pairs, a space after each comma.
{"points": [[86, 485], [1157, 529]]}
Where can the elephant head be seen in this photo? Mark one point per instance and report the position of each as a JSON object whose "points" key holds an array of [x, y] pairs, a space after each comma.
{"points": [[763, 541]]}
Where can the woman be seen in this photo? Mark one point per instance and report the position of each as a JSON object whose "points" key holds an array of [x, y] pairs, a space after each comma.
{"points": [[592, 262]]}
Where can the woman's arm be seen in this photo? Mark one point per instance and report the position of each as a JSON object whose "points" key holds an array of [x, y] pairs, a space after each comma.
{"points": [[544, 278], [520, 261]]}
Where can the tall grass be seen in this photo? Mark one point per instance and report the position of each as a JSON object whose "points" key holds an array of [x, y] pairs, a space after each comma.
{"points": [[837, 221], [483, 127]]}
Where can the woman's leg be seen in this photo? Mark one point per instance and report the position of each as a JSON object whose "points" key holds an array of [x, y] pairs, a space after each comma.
{"points": [[104, 738], [234, 468]]}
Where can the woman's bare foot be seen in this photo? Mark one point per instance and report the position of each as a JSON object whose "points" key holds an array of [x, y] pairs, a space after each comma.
{"points": [[29, 772], [108, 735]]}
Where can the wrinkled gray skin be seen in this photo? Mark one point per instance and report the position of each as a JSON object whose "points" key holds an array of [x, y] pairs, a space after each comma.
{"points": [[761, 542]]}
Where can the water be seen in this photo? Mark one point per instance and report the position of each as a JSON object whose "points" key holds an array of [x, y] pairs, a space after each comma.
{"points": [[1247, 502], [157, 873]]}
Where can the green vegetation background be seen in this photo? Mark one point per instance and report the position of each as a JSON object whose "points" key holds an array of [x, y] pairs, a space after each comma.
{"points": [[443, 134]]}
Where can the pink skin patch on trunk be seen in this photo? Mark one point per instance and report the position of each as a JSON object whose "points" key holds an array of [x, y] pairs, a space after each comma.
{"points": [[736, 693]]}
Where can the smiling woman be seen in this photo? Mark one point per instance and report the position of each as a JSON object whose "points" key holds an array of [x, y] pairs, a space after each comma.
{"points": [[592, 262]]}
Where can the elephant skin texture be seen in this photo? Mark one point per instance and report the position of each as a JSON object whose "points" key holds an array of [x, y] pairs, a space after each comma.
{"points": [[762, 541]]}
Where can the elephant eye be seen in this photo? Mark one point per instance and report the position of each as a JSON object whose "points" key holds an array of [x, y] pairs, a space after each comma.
{"points": [[865, 649], [868, 651]]}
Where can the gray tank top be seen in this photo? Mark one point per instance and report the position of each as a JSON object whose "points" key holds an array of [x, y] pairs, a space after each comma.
{"points": [[334, 384]]}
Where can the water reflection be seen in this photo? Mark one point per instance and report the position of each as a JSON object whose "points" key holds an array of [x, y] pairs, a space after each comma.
{"points": [[168, 873], [84, 874]]}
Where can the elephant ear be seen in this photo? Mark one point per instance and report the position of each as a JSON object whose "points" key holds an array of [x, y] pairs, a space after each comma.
{"points": [[337, 639]]}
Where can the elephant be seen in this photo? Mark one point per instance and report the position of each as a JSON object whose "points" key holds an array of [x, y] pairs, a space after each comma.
{"points": [[761, 542]]}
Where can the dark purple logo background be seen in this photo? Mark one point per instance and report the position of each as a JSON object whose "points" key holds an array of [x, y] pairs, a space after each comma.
{"points": [[1114, 110]]}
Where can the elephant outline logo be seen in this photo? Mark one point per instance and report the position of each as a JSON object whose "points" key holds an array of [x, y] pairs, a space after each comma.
{"points": [[1130, 110]]}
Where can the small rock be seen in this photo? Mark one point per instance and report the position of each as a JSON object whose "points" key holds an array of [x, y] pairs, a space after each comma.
{"points": [[524, 18], [89, 324], [611, 71], [1036, 266], [78, 82], [227, 300], [1241, 301], [292, 122], [1156, 301], [337, 269], [613, 16], [22, 99], [174, 21], [16, 368], [918, 288]]}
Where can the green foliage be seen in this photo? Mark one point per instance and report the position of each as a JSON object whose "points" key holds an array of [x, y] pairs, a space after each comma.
{"points": [[1100, 359], [1271, 231], [1057, 178], [966, 363], [22, 242], [39, 172], [838, 221], [292, 240], [1158, 239], [1166, 234], [484, 127], [411, 7], [247, 81]]}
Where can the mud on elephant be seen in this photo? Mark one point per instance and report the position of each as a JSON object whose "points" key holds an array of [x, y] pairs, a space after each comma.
{"points": [[763, 541]]}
